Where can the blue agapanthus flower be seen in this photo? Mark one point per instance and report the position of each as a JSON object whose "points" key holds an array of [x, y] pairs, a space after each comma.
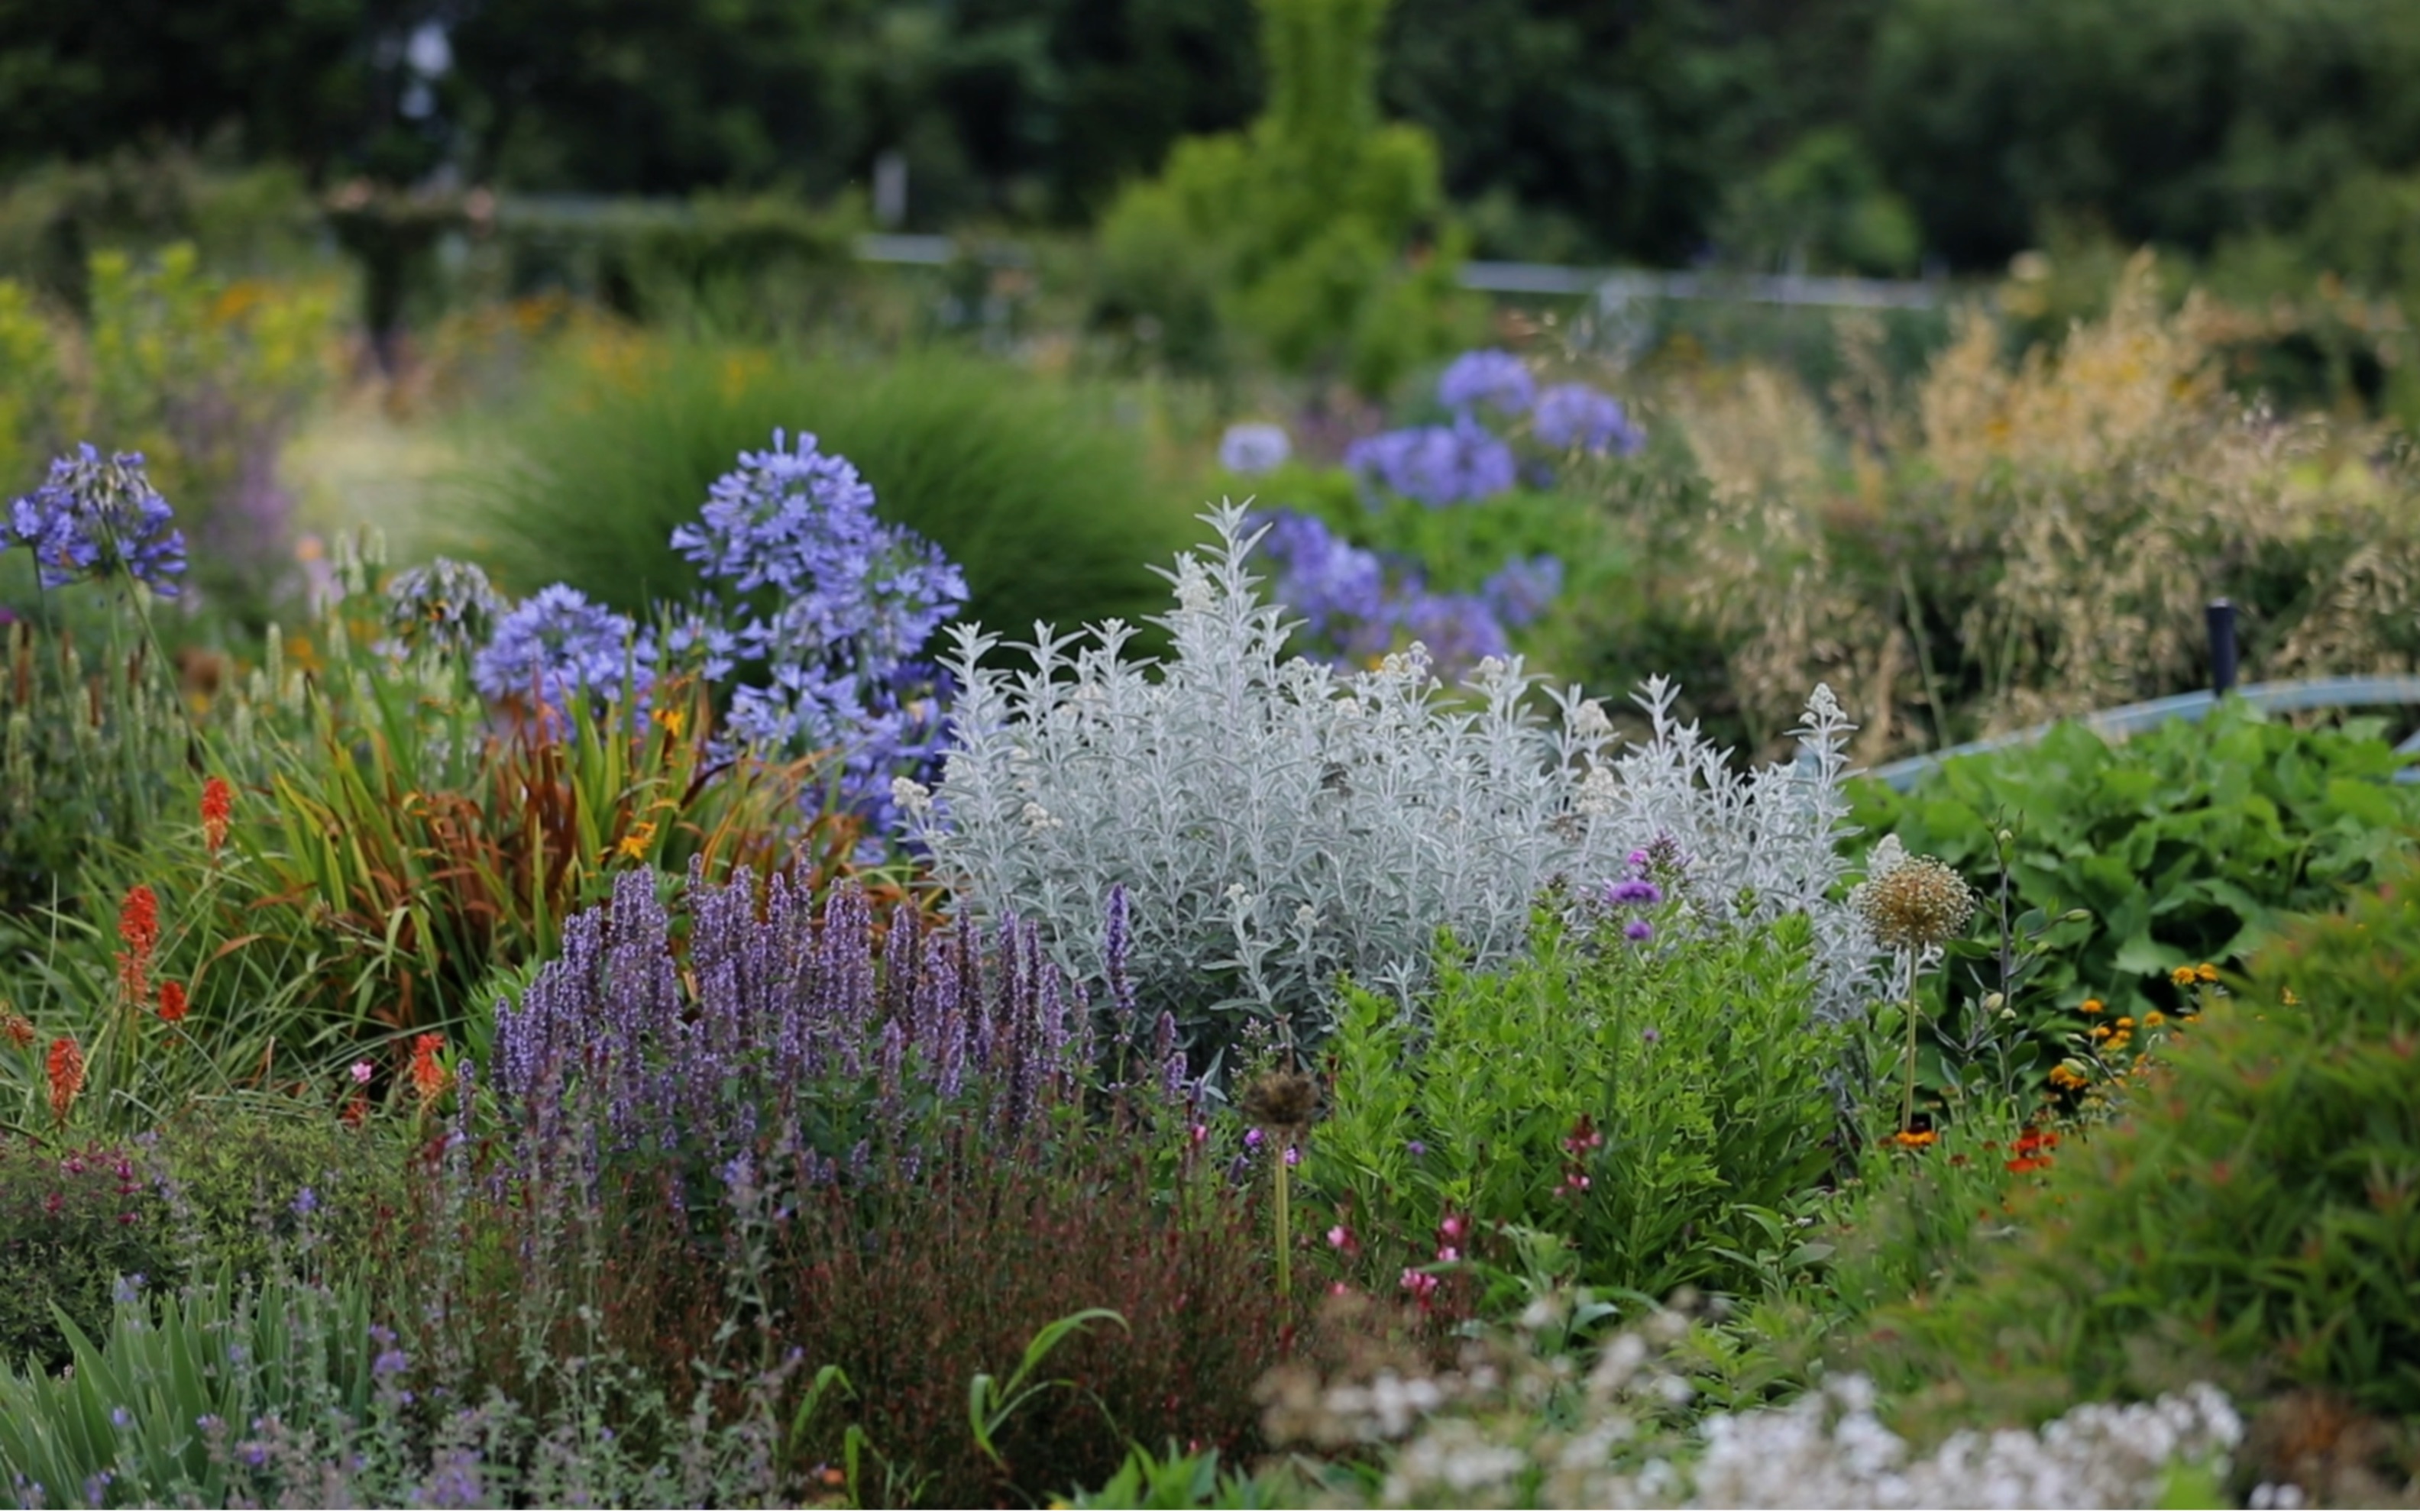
{"points": [[1254, 446], [1575, 417], [1351, 612], [446, 606], [1496, 378], [98, 519], [555, 645], [1523, 589], [1437, 465]]}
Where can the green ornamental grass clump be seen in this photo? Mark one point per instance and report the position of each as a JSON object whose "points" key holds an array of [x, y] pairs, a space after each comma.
{"points": [[2257, 1206], [1046, 503]]}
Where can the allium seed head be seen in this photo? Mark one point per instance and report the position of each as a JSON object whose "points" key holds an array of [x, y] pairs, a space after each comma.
{"points": [[1913, 902]]}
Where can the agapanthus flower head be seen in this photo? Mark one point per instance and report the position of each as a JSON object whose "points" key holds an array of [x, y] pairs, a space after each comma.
{"points": [[1520, 591], [1339, 589], [555, 645], [1492, 377], [1575, 417], [1458, 630], [1439, 465], [448, 607], [98, 519], [1254, 446], [1912, 902]]}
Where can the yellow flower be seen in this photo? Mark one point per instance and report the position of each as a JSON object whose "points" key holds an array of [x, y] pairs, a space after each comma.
{"points": [[2292, 1001], [2205, 972], [2153, 1019], [2093, 1005], [2061, 1075], [2182, 975], [634, 845], [672, 719]]}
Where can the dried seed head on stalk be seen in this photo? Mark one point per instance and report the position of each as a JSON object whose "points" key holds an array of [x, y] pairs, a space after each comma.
{"points": [[1281, 1101], [1912, 902]]}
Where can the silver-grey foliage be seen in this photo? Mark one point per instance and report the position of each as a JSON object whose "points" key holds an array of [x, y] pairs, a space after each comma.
{"points": [[1276, 824]]}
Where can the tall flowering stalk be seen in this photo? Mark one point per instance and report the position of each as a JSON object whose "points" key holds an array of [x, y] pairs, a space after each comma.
{"points": [[138, 932], [1915, 905], [218, 810], [64, 1067]]}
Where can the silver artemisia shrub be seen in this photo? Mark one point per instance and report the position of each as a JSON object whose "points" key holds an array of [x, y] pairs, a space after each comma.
{"points": [[1276, 823]]}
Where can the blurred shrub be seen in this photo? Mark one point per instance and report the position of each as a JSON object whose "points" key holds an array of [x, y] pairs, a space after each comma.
{"points": [[203, 374], [1655, 1103], [2184, 845], [255, 223], [1316, 236], [2256, 1207], [1047, 505]]}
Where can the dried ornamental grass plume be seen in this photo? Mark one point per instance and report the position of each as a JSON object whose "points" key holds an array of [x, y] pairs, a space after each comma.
{"points": [[1911, 903], [1288, 823], [98, 520]]}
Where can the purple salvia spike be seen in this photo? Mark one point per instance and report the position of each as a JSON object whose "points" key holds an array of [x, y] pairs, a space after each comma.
{"points": [[1125, 1017], [1163, 1038], [1171, 1081]]}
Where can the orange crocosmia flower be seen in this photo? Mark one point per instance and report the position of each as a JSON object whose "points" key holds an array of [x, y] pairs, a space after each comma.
{"points": [[218, 805], [429, 1078], [172, 1001], [65, 1067]]}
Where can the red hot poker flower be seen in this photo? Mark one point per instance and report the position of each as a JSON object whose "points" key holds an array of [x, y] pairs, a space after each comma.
{"points": [[172, 1001], [16, 1028], [217, 804], [429, 1078], [138, 929], [65, 1066]]}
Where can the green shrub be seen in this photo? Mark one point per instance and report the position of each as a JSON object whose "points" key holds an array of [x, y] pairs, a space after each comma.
{"points": [[1047, 505], [2183, 845], [2257, 1206], [1317, 235], [1655, 1104], [213, 1190]]}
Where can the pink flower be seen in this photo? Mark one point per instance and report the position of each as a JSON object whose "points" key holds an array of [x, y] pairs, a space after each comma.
{"points": [[1340, 1237], [1447, 1254], [1455, 1227], [1294, 1156], [1421, 1285], [361, 1070]]}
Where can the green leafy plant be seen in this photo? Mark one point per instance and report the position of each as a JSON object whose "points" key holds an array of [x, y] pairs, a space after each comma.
{"points": [[1643, 1099], [2255, 1208], [2180, 847]]}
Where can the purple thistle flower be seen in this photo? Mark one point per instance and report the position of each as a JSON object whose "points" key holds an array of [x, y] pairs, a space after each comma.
{"points": [[1575, 417], [1633, 892], [1638, 931], [95, 519], [1493, 377]]}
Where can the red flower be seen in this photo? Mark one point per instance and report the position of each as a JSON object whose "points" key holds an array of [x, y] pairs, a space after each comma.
{"points": [[66, 1068], [172, 1001], [218, 803], [138, 929], [429, 1078], [2033, 1149]]}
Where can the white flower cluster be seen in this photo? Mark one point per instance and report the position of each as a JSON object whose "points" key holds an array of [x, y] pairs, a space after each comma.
{"points": [[1623, 1443], [1276, 824]]}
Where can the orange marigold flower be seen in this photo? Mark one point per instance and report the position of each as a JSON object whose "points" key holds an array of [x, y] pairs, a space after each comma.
{"points": [[2182, 977], [2205, 972], [218, 805], [138, 929], [17, 1029], [172, 1001], [1914, 1139], [65, 1067], [2093, 1005], [2061, 1075], [428, 1077], [2153, 1019]]}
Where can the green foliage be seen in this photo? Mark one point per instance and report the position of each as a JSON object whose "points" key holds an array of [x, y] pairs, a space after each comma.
{"points": [[2258, 1205], [1316, 234], [217, 1190], [1045, 503], [132, 1424], [1655, 1105], [2183, 845]]}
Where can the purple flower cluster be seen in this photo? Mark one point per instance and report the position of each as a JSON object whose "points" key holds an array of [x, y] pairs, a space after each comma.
{"points": [[555, 645], [98, 519], [1496, 378], [1574, 417], [1463, 463], [796, 1040], [1352, 613], [834, 605]]}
